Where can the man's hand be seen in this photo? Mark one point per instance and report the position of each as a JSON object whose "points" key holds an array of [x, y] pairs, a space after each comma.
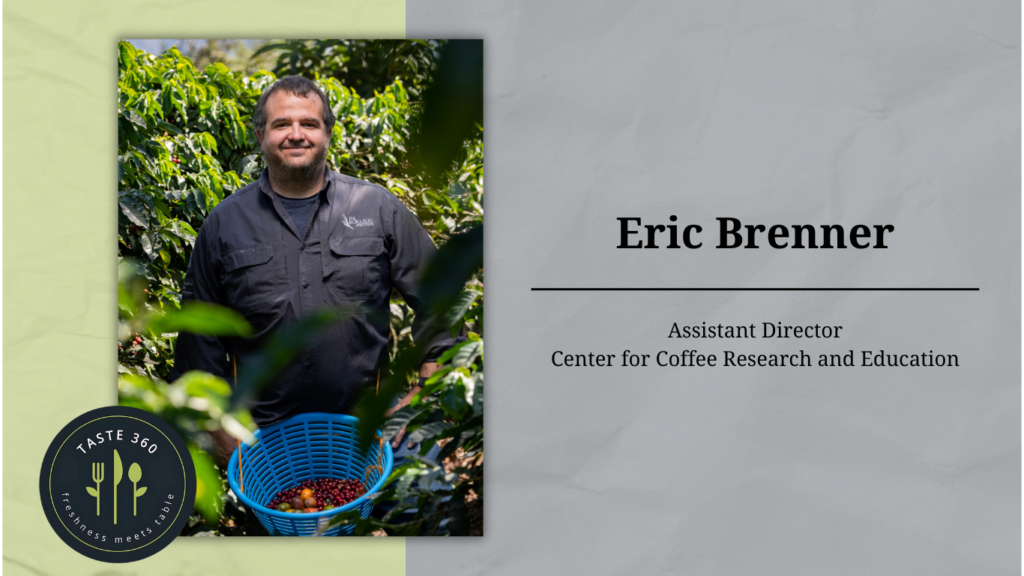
{"points": [[426, 370]]}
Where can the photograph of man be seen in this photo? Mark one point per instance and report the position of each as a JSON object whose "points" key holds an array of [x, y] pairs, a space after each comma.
{"points": [[300, 243]]}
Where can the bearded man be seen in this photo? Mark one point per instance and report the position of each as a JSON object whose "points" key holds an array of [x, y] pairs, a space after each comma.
{"points": [[300, 238]]}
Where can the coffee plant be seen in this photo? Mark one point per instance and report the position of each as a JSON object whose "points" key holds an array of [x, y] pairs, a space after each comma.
{"points": [[365, 66]]}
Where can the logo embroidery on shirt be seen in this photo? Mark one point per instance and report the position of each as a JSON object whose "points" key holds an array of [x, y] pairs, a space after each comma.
{"points": [[353, 223]]}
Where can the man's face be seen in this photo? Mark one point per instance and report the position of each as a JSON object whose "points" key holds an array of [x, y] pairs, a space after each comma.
{"points": [[294, 140]]}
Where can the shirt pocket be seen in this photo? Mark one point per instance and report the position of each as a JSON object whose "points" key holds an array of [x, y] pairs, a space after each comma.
{"points": [[254, 277], [352, 268]]}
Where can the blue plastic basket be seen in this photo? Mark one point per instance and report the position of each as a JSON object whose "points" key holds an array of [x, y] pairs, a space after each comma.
{"points": [[306, 447]]}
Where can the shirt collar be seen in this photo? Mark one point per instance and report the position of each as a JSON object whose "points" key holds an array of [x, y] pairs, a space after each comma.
{"points": [[264, 182]]}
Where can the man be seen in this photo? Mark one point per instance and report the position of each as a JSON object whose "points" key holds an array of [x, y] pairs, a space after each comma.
{"points": [[300, 238]]}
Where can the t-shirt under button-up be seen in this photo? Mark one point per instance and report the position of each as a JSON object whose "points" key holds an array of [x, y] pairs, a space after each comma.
{"points": [[300, 210]]}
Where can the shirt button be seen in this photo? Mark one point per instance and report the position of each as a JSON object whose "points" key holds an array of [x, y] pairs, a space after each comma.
{"points": [[306, 285], [309, 364], [303, 247]]}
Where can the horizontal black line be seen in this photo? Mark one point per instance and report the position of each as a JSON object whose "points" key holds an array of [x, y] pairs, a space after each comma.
{"points": [[591, 289]]}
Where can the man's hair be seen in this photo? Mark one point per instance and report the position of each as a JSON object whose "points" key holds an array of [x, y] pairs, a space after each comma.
{"points": [[300, 87]]}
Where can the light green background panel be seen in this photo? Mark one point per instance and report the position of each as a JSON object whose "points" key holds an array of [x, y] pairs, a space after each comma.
{"points": [[59, 227]]}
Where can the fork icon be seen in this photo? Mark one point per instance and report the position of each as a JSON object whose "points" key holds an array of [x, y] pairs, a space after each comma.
{"points": [[97, 477]]}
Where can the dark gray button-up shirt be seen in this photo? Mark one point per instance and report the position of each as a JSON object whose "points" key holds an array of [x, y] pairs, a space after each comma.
{"points": [[361, 243]]}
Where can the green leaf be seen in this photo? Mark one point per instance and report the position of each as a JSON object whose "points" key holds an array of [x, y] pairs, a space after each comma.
{"points": [[140, 491], [268, 48], [450, 354], [134, 118], [204, 385], [91, 491], [168, 127], [453, 400], [459, 309], [428, 431], [135, 212], [203, 318], [125, 300], [405, 483], [209, 143], [467, 353], [126, 55], [208, 486], [147, 244], [400, 419], [250, 164], [187, 229]]}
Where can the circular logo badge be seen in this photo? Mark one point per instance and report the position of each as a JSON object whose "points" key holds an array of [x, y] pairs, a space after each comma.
{"points": [[117, 484]]}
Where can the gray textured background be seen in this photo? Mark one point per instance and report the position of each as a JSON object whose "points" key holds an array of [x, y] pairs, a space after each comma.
{"points": [[903, 113]]}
